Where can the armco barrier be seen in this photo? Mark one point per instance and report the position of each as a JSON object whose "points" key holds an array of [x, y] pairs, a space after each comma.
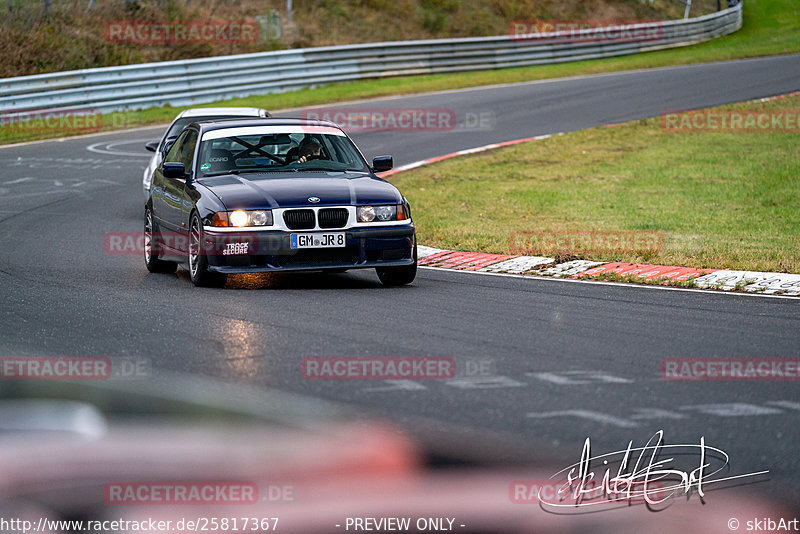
{"points": [[194, 81]]}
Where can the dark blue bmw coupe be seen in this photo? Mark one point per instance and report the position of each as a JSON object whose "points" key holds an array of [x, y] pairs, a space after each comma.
{"points": [[258, 195]]}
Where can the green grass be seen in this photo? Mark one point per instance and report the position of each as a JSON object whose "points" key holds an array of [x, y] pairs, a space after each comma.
{"points": [[770, 27], [720, 200]]}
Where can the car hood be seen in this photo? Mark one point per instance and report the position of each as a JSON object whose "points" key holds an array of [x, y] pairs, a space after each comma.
{"points": [[284, 190]]}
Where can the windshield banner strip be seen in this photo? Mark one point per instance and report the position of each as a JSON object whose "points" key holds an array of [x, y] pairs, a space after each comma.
{"points": [[256, 130]]}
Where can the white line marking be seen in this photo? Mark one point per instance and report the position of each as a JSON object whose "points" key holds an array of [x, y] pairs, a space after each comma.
{"points": [[732, 409], [20, 180], [655, 413], [596, 417], [788, 405], [397, 385], [484, 382], [617, 284], [570, 378], [108, 148], [466, 152]]}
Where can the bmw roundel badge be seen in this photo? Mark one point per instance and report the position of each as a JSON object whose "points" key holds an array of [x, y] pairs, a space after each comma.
{"points": [[313, 200]]}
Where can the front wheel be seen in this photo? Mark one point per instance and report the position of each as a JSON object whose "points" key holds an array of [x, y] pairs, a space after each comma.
{"points": [[198, 261], [152, 247], [398, 276]]}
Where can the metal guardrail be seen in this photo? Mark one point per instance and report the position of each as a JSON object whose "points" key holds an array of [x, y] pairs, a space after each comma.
{"points": [[195, 81]]}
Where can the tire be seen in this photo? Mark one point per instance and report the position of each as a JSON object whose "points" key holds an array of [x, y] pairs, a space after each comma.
{"points": [[151, 247], [197, 260], [399, 276]]}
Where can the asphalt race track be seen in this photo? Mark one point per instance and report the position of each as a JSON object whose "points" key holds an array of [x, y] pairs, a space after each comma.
{"points": [[566, 360]]}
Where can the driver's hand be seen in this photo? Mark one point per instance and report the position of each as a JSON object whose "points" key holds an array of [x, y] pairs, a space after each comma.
{"points": [[302, 159]]}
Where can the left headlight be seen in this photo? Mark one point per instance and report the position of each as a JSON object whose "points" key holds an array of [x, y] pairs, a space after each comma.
{"points": [[393, 212], [242, 218]]}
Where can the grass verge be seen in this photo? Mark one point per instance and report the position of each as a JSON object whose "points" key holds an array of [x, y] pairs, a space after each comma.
{"points": [[720, 200], [770, 27]]}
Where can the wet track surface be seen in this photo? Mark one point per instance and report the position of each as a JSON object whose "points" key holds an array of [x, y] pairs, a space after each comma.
{"points": [[567, 359]]}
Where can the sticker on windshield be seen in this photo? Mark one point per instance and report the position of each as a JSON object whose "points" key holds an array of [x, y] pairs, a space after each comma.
{"points": [[205, 166]]}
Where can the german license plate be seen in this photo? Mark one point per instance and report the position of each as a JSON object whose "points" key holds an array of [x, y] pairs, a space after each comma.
{"points": [[329, 240]]}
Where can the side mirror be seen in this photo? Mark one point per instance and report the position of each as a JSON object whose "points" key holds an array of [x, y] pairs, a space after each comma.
{"points": [[174, 170], [152, 146], [382, 163]]}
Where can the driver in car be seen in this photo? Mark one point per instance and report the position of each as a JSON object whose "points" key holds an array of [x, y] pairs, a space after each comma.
{"points": [[309, 149]]}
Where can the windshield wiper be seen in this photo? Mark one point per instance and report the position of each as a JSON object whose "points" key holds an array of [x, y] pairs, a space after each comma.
{"points": [[246, 171], [267, 169], [220, 173]]}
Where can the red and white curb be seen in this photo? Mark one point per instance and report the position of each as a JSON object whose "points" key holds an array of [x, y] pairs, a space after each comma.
{"points": [[750, 281], [768, 283]]}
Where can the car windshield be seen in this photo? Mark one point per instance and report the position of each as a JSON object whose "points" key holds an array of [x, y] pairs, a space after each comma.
{"points": [[284, 149]]}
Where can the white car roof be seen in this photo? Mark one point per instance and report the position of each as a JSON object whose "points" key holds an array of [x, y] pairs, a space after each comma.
{"points": [[237, 112]]}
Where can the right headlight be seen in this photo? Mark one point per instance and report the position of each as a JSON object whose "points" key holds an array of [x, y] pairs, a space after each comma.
{"points": [[392, 212]]}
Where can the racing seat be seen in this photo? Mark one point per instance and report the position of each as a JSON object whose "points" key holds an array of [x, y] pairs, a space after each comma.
{"points": [[221, 160]]}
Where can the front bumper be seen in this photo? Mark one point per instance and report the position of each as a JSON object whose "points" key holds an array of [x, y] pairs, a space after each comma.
{"points": [[269, 251]]}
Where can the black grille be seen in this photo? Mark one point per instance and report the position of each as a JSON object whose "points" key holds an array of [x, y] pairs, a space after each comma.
{"points": [[332, 217], [299, 219]]}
